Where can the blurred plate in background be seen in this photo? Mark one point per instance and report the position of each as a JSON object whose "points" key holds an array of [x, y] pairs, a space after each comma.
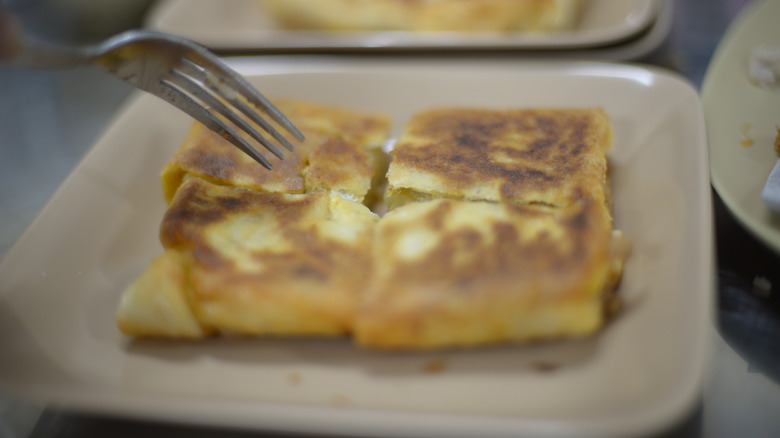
{"points": [[243, 25], [743, 120]]}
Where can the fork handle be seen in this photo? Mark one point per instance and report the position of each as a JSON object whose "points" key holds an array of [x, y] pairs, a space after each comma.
{"points": [[9, 36], [24, 50]]}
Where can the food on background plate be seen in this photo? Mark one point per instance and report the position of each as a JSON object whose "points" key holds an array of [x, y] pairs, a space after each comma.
{"points": [[770, 194], [777, 140], [764, 71], [764, 67], [426, 15], [499, 230]]}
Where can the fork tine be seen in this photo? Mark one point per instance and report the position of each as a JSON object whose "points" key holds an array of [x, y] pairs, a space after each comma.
{"points": [[249, 112], [181, 100], [194, 70], [236, 82], [191, 86]]}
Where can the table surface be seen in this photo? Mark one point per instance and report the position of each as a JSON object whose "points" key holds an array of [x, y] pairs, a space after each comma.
{"points": [[49, 120]]}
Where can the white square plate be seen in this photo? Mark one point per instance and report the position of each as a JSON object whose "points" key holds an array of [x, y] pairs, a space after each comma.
{"points": [[60, 284], [242, 24]]}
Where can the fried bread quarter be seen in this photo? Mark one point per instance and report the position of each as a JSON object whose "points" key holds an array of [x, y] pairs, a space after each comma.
{"points": [[342, 152], [459, 273], [426, 15], [540, 156], [253, 263]]}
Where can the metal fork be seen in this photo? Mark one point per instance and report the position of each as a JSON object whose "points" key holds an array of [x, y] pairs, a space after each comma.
{"points": [[179, 71]]}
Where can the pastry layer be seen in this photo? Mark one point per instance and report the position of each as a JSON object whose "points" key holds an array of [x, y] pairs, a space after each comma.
{"points": [[341, 153], [256, 263], [459, 273], [543, 156]]}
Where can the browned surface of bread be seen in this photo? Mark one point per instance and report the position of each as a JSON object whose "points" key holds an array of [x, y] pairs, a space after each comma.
{"points": [[341, 152], [261, 263], [546, 156], [456, 273]]}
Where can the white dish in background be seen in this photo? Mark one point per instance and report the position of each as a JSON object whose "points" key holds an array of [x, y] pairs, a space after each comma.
{"points": [[60, 284], [634, 49], [739, 113], [242, 24]]}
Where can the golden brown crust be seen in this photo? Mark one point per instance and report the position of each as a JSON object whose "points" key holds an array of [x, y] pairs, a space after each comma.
{"points": [[337, 165], [334, 157], [271, 263], [207, 155], [368, 130], [777, 141], [466, 273], [552, 157]]}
